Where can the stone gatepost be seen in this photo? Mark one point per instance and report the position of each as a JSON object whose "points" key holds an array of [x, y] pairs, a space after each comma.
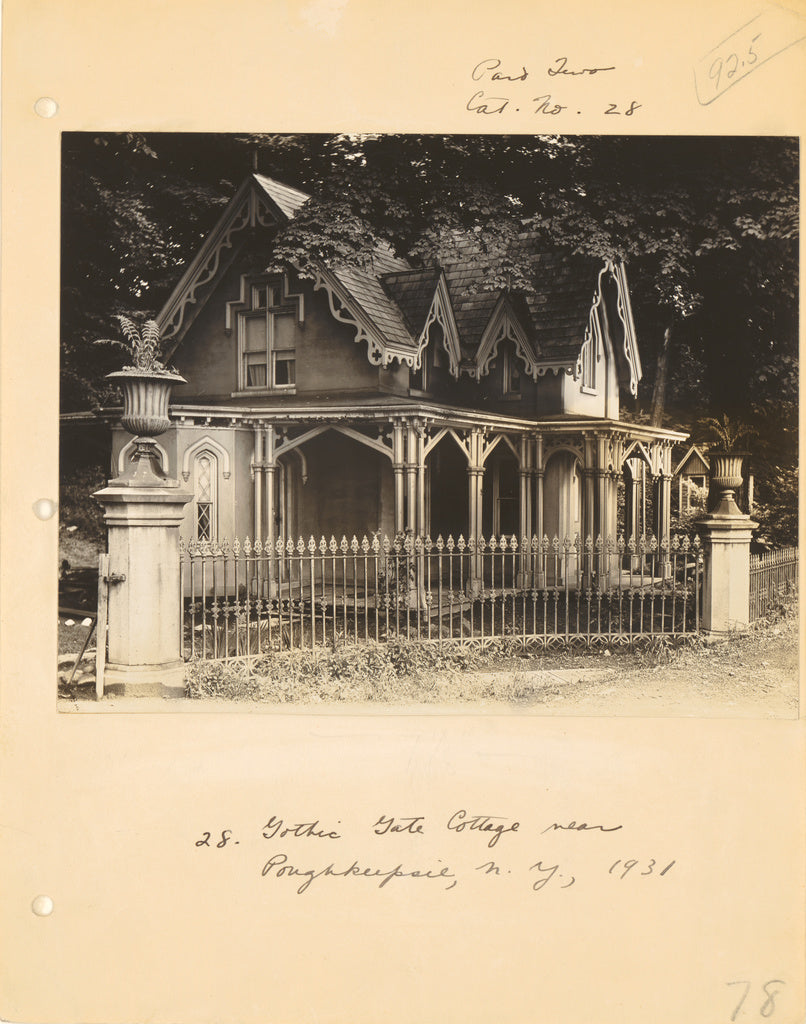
{"points": [[726, 533], [143, 509]]}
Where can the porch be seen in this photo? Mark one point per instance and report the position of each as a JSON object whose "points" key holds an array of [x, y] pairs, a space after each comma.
{"points": [[391, 467]]}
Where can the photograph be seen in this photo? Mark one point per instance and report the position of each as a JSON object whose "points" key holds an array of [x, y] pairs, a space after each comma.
{"points": [[399, 507], [433, 421]]}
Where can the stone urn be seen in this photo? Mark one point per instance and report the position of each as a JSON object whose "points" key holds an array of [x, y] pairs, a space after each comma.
{"points": [[145, 415], [726, 474]]}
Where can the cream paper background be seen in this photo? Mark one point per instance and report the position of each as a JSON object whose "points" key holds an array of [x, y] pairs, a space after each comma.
{"points": [[102, 811]]}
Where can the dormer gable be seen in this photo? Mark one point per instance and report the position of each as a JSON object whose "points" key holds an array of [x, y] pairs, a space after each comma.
{"points": [[611, 324], [424, 299], [504, 323]]}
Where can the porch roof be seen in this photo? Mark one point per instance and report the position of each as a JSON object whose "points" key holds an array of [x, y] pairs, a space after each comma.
{"points": [[388, 408]]}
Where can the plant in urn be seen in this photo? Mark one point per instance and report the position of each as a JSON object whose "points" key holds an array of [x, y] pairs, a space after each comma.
{"points": [[726, 461], [146, 384]]}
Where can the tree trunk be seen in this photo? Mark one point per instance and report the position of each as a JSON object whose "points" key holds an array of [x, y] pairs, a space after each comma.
{"points": [[659, 391]]}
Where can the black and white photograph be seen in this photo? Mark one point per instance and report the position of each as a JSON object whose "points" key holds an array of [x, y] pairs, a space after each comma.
{"points": [[399, 508], [416, 420]]}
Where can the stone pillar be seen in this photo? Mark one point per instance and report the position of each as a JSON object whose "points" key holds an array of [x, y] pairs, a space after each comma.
{"points": [[143, 510], [726, 593]]}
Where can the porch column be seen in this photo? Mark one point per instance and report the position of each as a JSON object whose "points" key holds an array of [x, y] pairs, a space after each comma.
{"points": [[540, 473], [411, 474], [257, 469], [398, 460], [663, 503], [475, 475], [524, 494], [589, 490], [420, 434], [663, 510], [270, 460], [633, 500], [602, 523]]}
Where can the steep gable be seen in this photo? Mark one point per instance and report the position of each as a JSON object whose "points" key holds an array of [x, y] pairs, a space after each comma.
{"points": [[424, 299], [578, 307]]}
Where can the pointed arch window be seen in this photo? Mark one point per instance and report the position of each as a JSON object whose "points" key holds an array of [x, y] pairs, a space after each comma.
{"points": [[205, 481]]}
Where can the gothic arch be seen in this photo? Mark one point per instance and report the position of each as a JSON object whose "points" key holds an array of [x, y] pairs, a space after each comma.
{"points": [[197, 447]]}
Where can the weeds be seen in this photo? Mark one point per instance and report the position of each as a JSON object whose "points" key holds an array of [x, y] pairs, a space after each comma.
{"points": [[367, 672]]}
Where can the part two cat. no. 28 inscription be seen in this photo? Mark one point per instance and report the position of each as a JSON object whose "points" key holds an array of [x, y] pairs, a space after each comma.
{"points": [[512, 90], [301, 853]]}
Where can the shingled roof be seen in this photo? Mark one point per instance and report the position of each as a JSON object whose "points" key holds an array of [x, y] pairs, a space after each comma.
{"points": [[412, 291], [396, 299]]}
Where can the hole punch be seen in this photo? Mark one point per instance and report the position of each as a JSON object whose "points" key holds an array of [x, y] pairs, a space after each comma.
{"points": [[45, 509], [46, 107], [42, 906]]}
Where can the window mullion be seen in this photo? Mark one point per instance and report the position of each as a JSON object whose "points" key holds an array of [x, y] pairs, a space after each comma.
{"points": [[270, 348]]}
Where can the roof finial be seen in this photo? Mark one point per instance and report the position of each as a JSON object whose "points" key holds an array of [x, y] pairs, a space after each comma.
{"points": [[255, 159]]}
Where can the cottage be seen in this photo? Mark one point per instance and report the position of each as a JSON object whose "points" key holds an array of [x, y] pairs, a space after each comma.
{"points": [[393, 398]]}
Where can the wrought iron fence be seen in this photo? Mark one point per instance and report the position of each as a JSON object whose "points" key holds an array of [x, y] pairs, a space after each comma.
{"points": [[773, 582], [245, 599]]}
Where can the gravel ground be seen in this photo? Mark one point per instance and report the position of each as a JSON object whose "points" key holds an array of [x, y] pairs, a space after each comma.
{"points": [[753, 675]]}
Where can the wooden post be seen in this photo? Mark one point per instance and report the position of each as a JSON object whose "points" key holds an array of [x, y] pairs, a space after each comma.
{"points": [[100, 628]]}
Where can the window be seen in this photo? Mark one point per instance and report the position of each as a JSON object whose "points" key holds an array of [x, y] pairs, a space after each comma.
{"points": [[432, 358], [511, 376], [267, 340], [695, 493], [418, 377], [589, 350], [205, 479]]}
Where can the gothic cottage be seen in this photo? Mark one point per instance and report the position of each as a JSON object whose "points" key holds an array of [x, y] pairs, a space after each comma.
{"points": [[388, 398]]}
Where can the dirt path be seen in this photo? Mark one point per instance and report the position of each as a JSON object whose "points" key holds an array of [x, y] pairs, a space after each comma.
{"points": [[751, 676]]}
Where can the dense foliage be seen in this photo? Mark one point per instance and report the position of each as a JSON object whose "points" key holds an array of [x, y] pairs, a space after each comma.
{"points": [[708, 227]]}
